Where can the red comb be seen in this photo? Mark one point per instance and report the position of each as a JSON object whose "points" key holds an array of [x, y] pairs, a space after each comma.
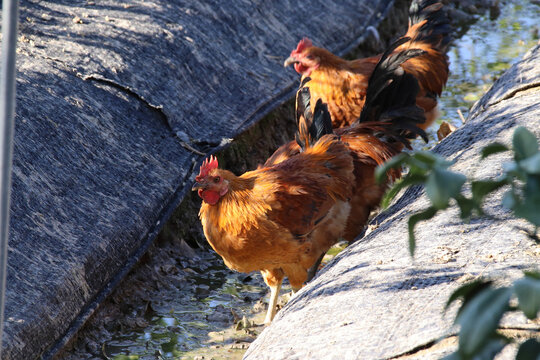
{"points": [[302, 45], [208, 165]]}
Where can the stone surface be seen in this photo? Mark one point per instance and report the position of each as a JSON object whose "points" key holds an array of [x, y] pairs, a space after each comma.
{"points": [[373, 301], [117, 103]]}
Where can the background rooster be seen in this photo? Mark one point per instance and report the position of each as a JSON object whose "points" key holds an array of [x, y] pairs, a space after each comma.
{"points": [[343, 84], [280, 218]]}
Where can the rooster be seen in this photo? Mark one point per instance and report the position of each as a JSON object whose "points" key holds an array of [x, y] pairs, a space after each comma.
{"points": [[389, 120], [275, 219], [280, 218], [342, 84]]}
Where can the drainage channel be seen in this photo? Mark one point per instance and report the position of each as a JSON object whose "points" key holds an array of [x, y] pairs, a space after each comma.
{"points": [[181, 303]]}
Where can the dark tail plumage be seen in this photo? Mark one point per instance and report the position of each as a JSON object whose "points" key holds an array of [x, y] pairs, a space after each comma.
{"points": [[316, 124], [390, 105], [436, 29], [429, 30]]}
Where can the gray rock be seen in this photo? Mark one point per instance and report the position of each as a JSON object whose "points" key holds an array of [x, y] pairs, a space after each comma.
{"points": [[373, 301]]}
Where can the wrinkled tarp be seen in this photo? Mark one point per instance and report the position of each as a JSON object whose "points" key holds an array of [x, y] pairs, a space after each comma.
{"points": [[112, 95], [373, 301]]}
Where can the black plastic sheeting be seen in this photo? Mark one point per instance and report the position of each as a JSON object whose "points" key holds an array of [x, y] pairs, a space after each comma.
{"points": [[112, 99]]}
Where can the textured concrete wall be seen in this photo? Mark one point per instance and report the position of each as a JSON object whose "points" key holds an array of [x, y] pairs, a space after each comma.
{"points": [[117, 103], [373, 301]]}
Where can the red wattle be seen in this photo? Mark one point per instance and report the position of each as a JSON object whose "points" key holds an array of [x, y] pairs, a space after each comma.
{"points": [[300, 68], [209, 196]]}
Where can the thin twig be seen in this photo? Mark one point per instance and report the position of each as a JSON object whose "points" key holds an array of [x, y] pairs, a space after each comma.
{"points": [[461, 116], [190, 148]]}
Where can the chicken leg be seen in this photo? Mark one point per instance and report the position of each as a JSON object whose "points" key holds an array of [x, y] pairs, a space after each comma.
{"points": [[272, 303], [272, 278]]}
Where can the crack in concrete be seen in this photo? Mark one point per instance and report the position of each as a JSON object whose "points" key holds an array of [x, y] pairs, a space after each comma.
{"points": [[109, 82], [442, 342], [126, 89], [520, 328], [514, 92], [155, 108], [509, 95], [446, 341], [414, 350]]}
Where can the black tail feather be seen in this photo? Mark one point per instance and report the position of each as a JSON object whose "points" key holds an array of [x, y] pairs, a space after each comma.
{"points": [[391, 97], [314, 124], [437, 29], [322, 121], [303, 108]]}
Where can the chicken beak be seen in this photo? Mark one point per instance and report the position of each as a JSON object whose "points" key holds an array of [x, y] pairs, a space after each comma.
{"points": [[198, 186], [290, 60]]}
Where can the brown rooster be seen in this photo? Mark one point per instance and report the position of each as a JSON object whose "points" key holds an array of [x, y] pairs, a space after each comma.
{"points": [[280, 218], [342, 84], [388, 121], [277, 219]]}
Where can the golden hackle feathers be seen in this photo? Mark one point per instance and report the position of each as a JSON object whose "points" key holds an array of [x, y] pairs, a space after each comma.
{"points": [[291, 195], [242, 206]]}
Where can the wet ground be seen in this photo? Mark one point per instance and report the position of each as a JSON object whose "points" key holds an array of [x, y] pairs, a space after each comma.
{"points": [[193, 318], [185, 304]]}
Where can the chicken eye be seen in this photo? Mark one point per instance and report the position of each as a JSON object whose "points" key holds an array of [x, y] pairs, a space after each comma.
{"points": [[217, 179], [309, 57]]}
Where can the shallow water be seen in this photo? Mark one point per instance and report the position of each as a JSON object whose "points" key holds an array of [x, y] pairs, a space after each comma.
{"points": [[194, 317], [193, 320], [482, 54]]}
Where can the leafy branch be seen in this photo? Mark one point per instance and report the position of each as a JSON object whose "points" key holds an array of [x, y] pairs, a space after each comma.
{"points": [[483, 305], [444, 187], [481, 311]]}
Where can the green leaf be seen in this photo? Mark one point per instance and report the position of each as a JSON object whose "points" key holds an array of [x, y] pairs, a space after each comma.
{"points": [[510, 168], [479, 319], [481, 188], [467, 292], [532, 274], [409, 180], [529, 208], [532, 164], [413, 220], [493, 149], [428, 157], [441, 185], [528, 293], [529, 211], [494, 345], [396, 161], [509, 199], [488, 352], [452, 356], [466, 206], [529, 350], [524, 143], [417, 166]]}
